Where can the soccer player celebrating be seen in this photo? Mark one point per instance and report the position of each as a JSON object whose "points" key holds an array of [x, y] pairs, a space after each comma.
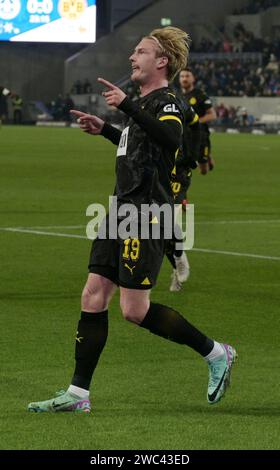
{"points": [[203, 106], [145, 159]]}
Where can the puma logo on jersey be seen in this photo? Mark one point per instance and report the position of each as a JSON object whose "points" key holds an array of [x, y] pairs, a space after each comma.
{"points": [[171, 108], [130, 269]]}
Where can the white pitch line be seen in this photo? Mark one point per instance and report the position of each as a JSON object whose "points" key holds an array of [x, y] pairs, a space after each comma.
{"points": [[234, 253], [40, 232], [49, 226], [199, 222], [224, 222], [203, 250]]}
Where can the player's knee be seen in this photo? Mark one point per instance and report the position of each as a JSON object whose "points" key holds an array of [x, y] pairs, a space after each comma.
{"points": [[93, 300], [132, 316], [133, 313]]}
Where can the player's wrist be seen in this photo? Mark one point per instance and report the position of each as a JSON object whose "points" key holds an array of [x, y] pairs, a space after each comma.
{"points": [[105, 130], [128, 106]]}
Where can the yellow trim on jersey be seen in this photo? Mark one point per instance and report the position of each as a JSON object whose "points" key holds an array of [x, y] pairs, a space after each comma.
{"points": [[170, 117], [195, 119], [173, 172], [171, 94]]}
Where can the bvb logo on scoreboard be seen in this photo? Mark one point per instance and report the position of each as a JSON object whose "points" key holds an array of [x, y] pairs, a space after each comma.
{"points": [[72, 9]]}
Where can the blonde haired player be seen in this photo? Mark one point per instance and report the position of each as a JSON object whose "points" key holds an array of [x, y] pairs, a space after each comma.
{"points": [[145, 159]]}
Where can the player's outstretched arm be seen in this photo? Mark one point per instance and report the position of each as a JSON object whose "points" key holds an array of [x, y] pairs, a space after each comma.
{"points": [[168, 135], [210, 115], [114, 95], [96, 126], [88, 123]]}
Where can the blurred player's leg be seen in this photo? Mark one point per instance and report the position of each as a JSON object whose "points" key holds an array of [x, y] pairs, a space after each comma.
{"points": [[211, 163], [182, 267], [178, 258]]}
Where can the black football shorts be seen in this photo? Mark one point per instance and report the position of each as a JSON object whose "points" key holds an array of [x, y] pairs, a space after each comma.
{"points": [[132, 263]]}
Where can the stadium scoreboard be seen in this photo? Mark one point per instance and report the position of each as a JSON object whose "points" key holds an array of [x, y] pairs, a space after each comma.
{"points": [[60, 21]]}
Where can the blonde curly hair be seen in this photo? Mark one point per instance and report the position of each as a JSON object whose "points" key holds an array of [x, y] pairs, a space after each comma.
{"points": [[173, 43]]}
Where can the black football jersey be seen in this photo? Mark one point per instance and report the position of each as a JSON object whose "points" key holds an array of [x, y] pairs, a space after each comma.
{"points": [[143, 166], [191, 137], [200, 102]]}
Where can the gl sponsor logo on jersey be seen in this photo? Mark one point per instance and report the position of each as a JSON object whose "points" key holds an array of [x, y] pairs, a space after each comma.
{"points": [[170, 108], [9, 9]]}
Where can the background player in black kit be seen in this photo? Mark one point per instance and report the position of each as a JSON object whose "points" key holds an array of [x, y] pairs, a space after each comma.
{"points": [[203, 106], [145, 158], [196, 151], [186, 161]]}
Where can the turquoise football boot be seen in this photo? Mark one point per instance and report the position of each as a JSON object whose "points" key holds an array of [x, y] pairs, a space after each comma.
{"points": [[63, 401], [219, 374]]}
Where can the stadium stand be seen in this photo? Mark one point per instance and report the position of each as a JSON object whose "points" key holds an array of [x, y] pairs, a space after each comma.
{"points": [[236, 78], [235, 53], [256, 6], [240, 40]]}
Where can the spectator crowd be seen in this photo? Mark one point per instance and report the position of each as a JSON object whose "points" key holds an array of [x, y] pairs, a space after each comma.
{"points": [[233, 116], [236, 78], [241, 41], [231, 75], [80, 88], [59, 108], [256, 6], [239, 77]]}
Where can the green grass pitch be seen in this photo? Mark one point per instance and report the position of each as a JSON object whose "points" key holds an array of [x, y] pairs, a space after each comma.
{"points": [[147, 393]]}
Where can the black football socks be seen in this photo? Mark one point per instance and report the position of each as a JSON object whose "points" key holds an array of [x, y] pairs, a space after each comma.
{"points": [[90, 340], [160, 320], [167, 323]]}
